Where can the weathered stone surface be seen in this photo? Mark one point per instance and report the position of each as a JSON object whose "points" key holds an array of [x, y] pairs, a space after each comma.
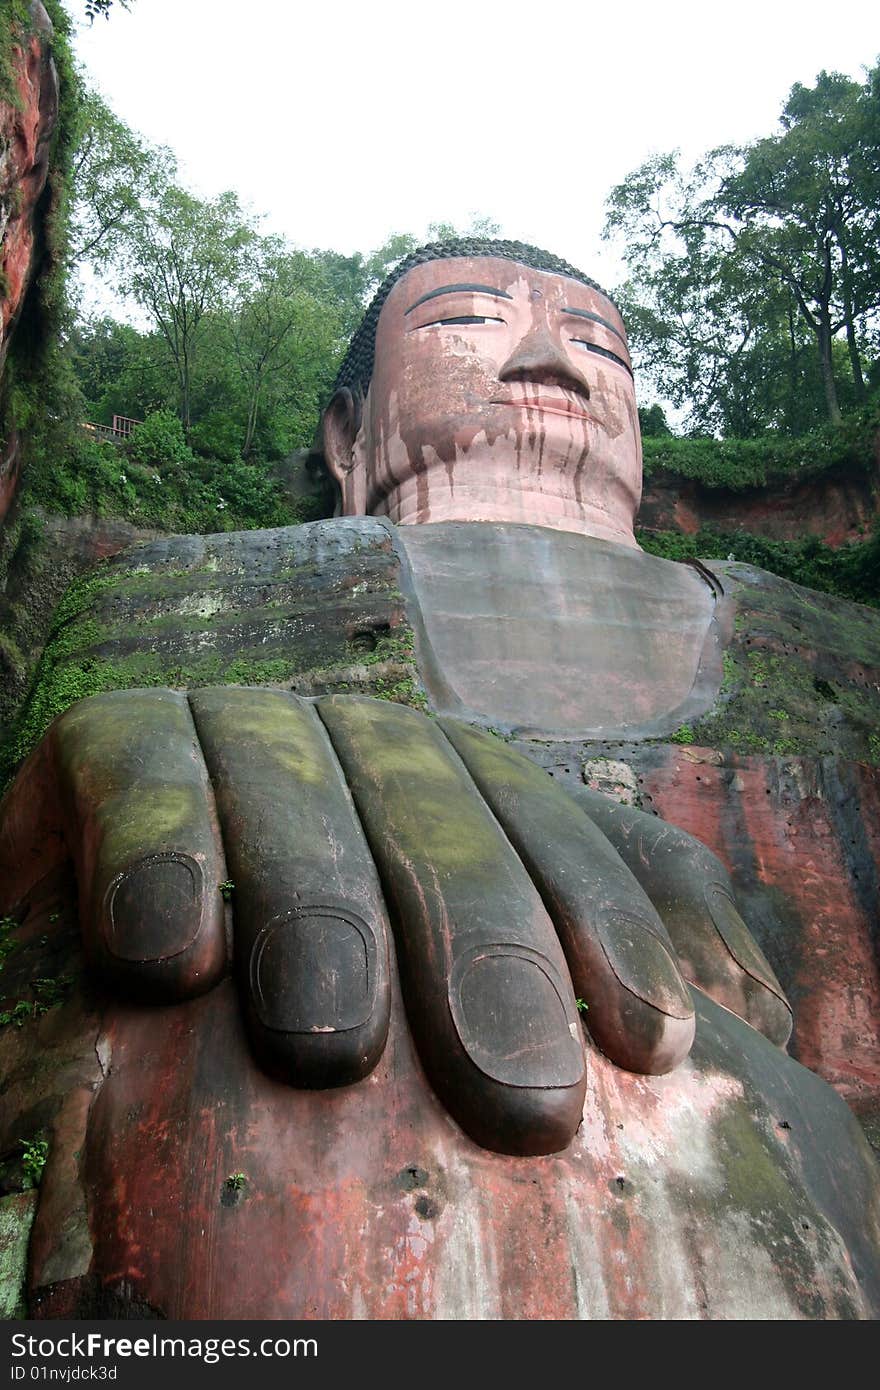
{"points": [[737, 1185], [729, 1188], [633, 642], [51, 1061], [351, 605], [837, 506], [26, 127], [39, 557], [16, 1218], [801, 671], [800, 838], [314, 609], [9, 471]]}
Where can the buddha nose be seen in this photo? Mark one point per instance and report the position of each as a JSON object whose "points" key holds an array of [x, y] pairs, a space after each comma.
{"points": [[537, 357]]}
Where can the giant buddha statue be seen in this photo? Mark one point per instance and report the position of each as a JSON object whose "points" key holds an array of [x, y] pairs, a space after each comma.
{"points": [[381, 1018]]}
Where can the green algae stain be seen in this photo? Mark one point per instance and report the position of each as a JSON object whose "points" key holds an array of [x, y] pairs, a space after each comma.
{"points": [[17, 1213], [158, 819], [779, 688], [402, 769], [402, 692], [452, 837], [684, 734], [107, 635], [282, 731], [757, 1180]]}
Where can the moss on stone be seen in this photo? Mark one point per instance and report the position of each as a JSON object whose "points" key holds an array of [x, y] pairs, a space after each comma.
{"points": [[402, 692], [11, 655], [286, 732], [398, 645], [801, 675], [132, 819], [17, 1212], [766, 462], [399, 758], [684, 734], [759, 1182], [129, 624]]}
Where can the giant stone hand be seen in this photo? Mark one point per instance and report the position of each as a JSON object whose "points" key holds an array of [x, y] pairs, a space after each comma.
{"points": [[513, 905]]}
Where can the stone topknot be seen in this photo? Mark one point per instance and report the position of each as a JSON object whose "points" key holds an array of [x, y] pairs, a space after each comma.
{"points": [[357, 365]]}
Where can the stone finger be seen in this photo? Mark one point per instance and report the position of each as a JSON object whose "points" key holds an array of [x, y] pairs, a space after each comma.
{"points": [[311, 938], [639, 1009], [141, 825], [485, 982], [691, 890]]}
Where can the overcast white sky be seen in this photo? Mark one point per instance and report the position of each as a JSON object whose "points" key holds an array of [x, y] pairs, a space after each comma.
{"points": [[345, 121]]}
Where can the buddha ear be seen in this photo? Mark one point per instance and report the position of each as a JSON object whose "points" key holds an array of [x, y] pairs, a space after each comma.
{"points": [[340, 425]]}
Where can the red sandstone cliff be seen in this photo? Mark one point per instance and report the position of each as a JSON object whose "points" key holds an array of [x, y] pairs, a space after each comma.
{"points": [[837, 506], [26, 127]]}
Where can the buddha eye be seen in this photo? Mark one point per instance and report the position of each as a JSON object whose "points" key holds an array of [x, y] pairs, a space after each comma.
{"points": [[462, 318], [603, 352]]}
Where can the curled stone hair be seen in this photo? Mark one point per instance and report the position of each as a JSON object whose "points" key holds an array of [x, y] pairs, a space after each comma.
{"points": [[357, 365]]}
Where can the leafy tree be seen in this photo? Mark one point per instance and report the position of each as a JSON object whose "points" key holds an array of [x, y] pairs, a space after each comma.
{"points": [[246, 331], [120, 370], [804, 206], [281, 322], [757, 252], [345, 282], [114, 174], [265, 363], [183, 260], [383, 260], [354, 279], [653, 423], [94, 8]]}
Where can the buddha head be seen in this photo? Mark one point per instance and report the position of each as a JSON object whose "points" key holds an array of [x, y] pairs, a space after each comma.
{"points": [[489, 381]]}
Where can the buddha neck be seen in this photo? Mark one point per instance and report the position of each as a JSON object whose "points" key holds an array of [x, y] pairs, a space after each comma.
{"points": [[501, 494]]}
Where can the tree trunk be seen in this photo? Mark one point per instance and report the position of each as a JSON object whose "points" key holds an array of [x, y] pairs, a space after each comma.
{"points": [[792, 406], [851, 340], [184, 396], [251, 422], [855, 358], [824, 337]]}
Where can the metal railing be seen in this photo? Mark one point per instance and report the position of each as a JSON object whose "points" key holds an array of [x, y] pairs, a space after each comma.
{"points": [[117, 433]]}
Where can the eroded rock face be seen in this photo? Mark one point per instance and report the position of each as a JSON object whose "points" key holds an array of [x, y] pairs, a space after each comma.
{"points": [[26, 128], [738, 1185], [38, 560], [837, 507]]}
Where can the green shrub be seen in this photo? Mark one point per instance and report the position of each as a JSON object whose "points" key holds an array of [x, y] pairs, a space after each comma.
{"points": [[155, 482], [736, 464], [217, 436], [159, 441], [851, 571]]}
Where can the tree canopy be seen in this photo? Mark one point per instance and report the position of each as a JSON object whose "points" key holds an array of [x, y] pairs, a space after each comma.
{"points": [[243, 331], [753, 296]]}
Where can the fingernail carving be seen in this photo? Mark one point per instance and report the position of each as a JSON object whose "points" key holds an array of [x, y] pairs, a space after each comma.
{"points": [[313, 969], [154, 908]]}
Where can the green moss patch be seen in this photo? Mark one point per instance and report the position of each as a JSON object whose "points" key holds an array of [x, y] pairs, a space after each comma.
{"points": [[850, 571], [17, 1213], [801, 675], [772, 459], [230, 618]]}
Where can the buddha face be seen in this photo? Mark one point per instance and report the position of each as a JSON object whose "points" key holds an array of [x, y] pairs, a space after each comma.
{"points": [[499, 393]]}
